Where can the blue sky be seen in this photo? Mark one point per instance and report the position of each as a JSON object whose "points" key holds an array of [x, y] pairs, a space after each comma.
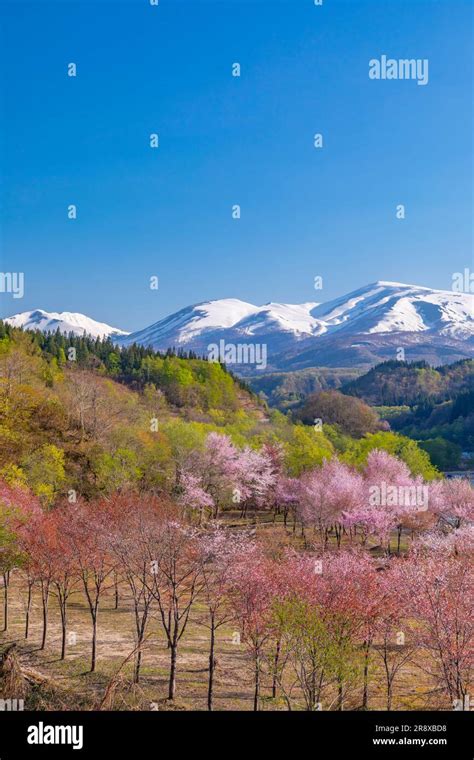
{"points": [[224, 141]]}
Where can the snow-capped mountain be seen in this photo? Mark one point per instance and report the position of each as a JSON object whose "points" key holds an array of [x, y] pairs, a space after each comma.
{"points": [[66, 321], [379, 308], [197, 326], [388, 307], [361, 328]]}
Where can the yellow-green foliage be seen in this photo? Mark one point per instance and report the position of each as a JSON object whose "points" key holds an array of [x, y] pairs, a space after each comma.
{"points": [[191, 382], [398, 445], [44, 472]]}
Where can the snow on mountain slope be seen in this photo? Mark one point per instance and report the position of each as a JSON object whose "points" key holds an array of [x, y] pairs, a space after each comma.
{"points": [[65, 321], [387, 307], [382, 307], [275, 317], [186, 326]]}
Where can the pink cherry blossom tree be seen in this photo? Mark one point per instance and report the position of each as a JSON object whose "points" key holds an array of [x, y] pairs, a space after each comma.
{"points": [[452, 500], [17, 507], [439, 592], [330, 494], [252, 595], [220, 550]]}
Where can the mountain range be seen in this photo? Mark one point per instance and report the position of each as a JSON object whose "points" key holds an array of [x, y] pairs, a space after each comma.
{"points": [[361, 328]]}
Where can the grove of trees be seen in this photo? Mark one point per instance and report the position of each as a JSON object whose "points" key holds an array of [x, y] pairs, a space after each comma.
{"points": [[313, 613]]}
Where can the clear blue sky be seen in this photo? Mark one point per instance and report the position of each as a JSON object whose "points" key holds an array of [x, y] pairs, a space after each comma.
{"points": [[225, 140]]}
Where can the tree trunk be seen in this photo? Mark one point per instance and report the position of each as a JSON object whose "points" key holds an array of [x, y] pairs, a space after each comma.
{"points": [[275, 669], [138, 662], [389, 695], [28, 609], [256, 696], [62, 606], [116, 592], [141, 627], [173, 663], [341, 698], [365, 694], [45, 600], [6, 581], [94, 642], [212, 666]]}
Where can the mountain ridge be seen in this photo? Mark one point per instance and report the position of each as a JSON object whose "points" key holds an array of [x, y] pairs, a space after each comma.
{"points": [[362, 327]]}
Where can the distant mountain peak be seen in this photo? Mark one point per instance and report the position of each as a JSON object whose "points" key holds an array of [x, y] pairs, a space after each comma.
{"points": [[65, 321]]}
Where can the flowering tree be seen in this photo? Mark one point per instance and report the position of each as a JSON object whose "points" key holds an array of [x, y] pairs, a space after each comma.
{"points": [[175, 578], [88, 533], [64, 573], [216, 472], [222, 473], [329, 495], [17, 506], [302, 657], [451, 543], [194, 495], [38, 541], [345, 580], [256, 479], [134, 520], [452, 500], [314, 503], [252, 595], [439, 592], [286, 497], [395, 642], [389, 496], [219, 551]]}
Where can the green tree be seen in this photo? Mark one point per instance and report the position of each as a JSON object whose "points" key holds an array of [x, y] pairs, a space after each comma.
{"points": [[443, 454], [45, 473], [398, 445], [116, 471], [307, 448]]}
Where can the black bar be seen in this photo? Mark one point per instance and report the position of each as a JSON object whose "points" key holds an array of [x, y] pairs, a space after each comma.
{"points": [[157, 734]]}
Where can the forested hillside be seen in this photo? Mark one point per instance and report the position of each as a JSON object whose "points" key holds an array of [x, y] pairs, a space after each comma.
{"points": [[397, 383], [106, 419], [432, 405], [288, 390]]}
